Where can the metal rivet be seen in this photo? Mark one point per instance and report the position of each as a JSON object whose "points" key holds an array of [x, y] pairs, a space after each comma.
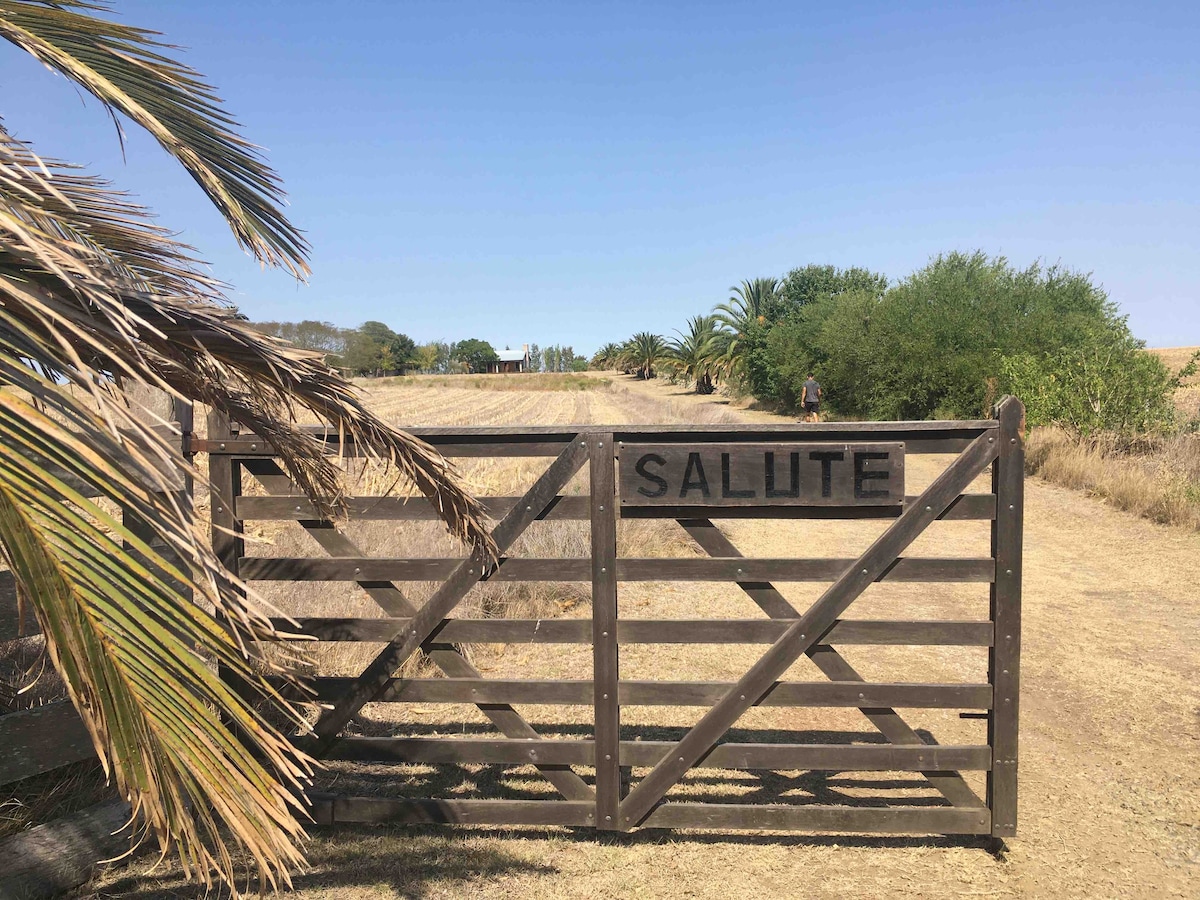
{"points": [[929, 509], [1008, 571], [254, 446], [220, 510], [991, 440], [601, 444], [604, 634], [1012, 440], [608, 756], [606, 696], [222, 446], [608, 818], [862, 696], [602, 569], [681, 759], [356, 571], [602, 509], [529, 509], [1010, 506], [1005, 672], [298, 509], [1008, 699], [1008, 637], [627, 818], [864, 571], [743, 696], [801, 637]]}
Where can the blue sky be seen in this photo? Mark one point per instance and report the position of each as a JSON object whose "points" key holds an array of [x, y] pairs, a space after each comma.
{"points": [[564, 172]]}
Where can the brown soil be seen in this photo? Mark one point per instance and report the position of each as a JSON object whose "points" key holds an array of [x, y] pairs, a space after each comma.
{"points": [[1110, 738]]}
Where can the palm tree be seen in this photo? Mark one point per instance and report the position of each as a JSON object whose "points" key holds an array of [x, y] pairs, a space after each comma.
{"points": [[748, 305], [698, 355], [606, 357], [643, 352], [94, 296]]}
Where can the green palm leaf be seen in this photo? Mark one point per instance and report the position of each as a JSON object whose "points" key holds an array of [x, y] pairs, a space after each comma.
{"points": [[126, 68]]}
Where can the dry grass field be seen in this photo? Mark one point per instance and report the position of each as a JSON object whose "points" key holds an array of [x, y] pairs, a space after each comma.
{"points": [[1188, 398], [1158, 478], [1110, 751]]}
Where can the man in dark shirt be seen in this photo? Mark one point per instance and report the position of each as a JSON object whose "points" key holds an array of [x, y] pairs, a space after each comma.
{"points": [[812, 400]]}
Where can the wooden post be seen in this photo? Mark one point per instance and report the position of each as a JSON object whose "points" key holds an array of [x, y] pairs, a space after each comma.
{"points": [[225, 484], [606, 671], [1004, 659]]}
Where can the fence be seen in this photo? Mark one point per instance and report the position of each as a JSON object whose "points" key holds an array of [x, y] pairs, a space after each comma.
{"points": [[696, 476]]}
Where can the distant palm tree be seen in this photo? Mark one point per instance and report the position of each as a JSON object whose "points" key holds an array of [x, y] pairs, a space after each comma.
{"points": [[748, 305], [746, 308], [93, 296], [606, 357], [698, 356], [643, 352]]}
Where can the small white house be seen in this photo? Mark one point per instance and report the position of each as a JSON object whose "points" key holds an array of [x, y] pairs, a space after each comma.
{"points": [[510, 361]]}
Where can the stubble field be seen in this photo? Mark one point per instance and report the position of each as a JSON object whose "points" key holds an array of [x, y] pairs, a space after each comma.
{"points": [[1110, 747]]}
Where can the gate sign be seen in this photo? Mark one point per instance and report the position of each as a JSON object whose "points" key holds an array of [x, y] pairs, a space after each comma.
{"points": [[762, 474]]}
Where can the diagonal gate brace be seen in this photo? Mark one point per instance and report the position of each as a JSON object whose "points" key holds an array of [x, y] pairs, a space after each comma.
{"points": [[834, 666], [807, 631], [466, 575], [445, 656]]}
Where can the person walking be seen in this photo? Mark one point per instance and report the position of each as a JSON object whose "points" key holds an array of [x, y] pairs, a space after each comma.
{"points": [[812, 400]]}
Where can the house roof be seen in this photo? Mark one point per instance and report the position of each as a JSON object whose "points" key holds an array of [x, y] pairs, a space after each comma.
{"points": [[511, 355]]}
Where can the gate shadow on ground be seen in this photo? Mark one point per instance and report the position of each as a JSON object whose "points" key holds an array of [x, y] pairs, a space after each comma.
{"points": [[522, 782], [413, 862], [418, 861]]}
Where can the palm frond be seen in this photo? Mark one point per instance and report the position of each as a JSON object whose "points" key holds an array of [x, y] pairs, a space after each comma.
{"points": [[130, 72], [137, 656], [92, 292]]}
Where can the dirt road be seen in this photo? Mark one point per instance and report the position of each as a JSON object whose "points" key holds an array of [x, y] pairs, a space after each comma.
{"points": [[1110, 746]]}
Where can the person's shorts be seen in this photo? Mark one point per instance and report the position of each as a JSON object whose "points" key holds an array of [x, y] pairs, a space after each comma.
{"points": [[812, 407]]}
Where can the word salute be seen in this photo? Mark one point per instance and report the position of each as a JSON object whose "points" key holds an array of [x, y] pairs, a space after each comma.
{"points": [[775, 474]]}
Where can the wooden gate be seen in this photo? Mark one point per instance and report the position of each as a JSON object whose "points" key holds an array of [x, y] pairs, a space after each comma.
{"points": [[694, 475]]}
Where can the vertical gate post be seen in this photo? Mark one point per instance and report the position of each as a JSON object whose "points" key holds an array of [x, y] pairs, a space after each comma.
{"points": [[1004, 663], [225, 484], [606, 671]]}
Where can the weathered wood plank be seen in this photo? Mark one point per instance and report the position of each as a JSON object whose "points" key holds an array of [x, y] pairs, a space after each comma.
{"points": [[444, 655], [965, 508], [42, 739], [907, 569], [1004, 664], [665, 693], [903, 820], [821, 757], [808, 630], [54, 858], [332, 810], [605, 664], [652, 631], [451, 592]]}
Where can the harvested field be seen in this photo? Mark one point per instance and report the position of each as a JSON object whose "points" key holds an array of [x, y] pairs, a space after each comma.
{"points": [[1110, 755], [1187, 399]]}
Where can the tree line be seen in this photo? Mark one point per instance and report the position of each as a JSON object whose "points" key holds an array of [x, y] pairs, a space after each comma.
{"points": [[373, 349], [945, 342]]}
